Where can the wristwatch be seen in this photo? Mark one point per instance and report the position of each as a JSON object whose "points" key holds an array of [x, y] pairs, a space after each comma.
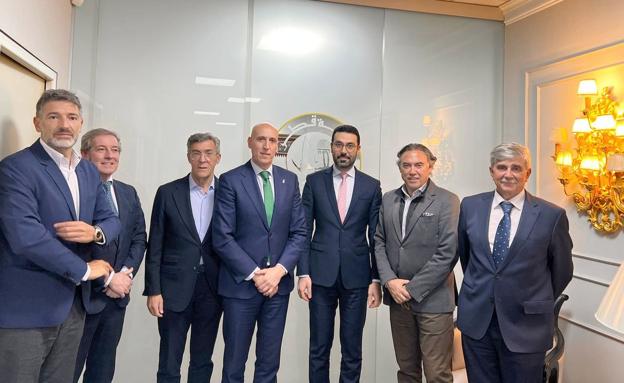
{"points": [[99, 235]]}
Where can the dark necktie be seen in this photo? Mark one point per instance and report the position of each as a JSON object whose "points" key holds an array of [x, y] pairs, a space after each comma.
{"points": [[109, 196], [503, 232]]}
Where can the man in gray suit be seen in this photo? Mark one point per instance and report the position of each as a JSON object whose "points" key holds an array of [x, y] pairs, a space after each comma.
{"points": [[415, 246]]}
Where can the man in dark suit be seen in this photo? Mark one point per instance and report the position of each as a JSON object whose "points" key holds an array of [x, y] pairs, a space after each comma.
{"points": [[109, 298], [515, 251], [341, 205], [181, 268], [259, 234], [415, 246], [53, 210]]}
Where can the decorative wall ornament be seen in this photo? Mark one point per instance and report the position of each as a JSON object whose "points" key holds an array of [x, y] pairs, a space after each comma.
{"points": [[592, 171]]}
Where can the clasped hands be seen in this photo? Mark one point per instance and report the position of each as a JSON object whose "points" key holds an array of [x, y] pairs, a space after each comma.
{"points": [[304, 288], [120, 284], [398, 291], [267, 280]]}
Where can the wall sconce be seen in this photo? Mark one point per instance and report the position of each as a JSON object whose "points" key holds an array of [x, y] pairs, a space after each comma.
{"points": [[596, 165]]}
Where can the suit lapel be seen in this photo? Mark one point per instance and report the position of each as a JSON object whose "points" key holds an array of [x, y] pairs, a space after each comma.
{"points": [[122, 201], [209, 232], [328, 178], [528, 218], [55, 173], [357, 192], [251, 186], [182, 199], [279, 185], [396, 220], [483, 225], [421, 206]]}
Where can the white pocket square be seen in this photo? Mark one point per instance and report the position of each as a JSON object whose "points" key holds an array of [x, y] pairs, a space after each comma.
{"points": [[427, 214]]}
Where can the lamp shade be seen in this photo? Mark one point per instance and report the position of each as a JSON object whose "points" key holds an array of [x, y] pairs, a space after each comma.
{"points": [[605, 121], [581, 125], [615, 162], [619, 128], [587, 87], [590, 163], [564, 158], [611, 310]]}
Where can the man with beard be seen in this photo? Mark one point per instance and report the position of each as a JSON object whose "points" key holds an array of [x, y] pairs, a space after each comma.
{"points": [[339, 270], [53, 210]]}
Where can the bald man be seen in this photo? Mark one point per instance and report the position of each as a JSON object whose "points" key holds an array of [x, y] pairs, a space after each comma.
{"points": [[259, 232]]}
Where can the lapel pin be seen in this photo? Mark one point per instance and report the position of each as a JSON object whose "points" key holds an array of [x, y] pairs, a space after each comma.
{"points": [[283, 181]]}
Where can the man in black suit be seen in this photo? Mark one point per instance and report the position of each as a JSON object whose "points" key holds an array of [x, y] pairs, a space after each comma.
{"points": [[109, 297], [181, 268]]}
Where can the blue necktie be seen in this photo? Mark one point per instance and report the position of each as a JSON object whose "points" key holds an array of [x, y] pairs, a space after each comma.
{"points": [[109, 196], [503, 232]]}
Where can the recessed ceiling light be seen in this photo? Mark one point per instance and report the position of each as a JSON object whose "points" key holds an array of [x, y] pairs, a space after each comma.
{"points": [[226, 123], [237, 100], [214, 81], [204, 113], [253, 99], [290, 40]]}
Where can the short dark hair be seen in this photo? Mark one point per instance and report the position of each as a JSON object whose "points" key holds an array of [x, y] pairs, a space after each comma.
{"points": [[421, 148], [346, 129], [57, 95]]}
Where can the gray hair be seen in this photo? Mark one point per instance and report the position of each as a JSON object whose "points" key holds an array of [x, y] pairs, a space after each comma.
{"points": [[86, 143], [508, 151], [57, 95], [421, 148], [201, 137]]}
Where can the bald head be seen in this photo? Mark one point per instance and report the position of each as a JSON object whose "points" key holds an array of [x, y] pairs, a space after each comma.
{"points": [[263, 144]]}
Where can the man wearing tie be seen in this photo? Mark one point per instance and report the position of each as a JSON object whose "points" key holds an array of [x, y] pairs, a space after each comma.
{"points": [[181, 268], [53, 212], [341, 205], [415, 247], [259, 234], [104, 321], [516, 254]]}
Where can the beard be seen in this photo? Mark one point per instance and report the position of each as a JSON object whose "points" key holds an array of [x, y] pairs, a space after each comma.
{"points": [[61, 143], [344, 162]]}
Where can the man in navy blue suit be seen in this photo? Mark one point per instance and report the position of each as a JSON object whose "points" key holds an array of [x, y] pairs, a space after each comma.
{"points": [[181, 267], [259, 234], [105, 317], [342, 206], [515, 251], [53, 212]]}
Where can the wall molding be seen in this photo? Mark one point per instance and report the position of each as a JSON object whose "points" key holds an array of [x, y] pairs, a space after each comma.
{"points": [[589, 279], [516, 10], [16, 52], [597, 259], [594, 329]]}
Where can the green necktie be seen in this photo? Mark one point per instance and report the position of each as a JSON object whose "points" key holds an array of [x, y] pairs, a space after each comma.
{"points": [[268, 195]]}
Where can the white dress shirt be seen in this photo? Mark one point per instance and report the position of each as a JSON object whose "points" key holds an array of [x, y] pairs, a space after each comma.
{"points": [[496, 214], [408, 201]]}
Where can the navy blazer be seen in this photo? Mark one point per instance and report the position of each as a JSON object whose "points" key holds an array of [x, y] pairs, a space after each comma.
{"points": [[38, 271], [127, 250], [174, 247], [242, 237], [523, 288], [337, 246]]}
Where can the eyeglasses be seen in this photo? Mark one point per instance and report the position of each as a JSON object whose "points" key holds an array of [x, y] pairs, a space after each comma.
{"points": [[196, 154], [340, 145]]}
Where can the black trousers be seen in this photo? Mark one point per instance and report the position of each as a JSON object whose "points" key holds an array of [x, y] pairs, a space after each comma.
{"points": [[202, 315], [98, 346]]}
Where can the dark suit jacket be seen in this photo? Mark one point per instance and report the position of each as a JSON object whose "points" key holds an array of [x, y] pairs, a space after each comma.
{"points": [[427, 254], [523, 288], [38, 271], [336, 246], [174, 248], [242, 236], [127, 250]]}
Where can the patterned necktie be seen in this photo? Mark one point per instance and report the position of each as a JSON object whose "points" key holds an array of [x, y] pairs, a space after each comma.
{"points": [[109, 196], [268, 195], [503, 232], [342, 197]]}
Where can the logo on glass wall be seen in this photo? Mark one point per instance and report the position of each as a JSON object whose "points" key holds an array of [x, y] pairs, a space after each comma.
{"points": [[304, 144]]}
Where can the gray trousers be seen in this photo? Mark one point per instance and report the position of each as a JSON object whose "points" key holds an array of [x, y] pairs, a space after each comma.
{"points": [[42, 355]]}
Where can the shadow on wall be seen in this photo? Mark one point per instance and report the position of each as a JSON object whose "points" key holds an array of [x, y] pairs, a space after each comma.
{"points": [[9, 140]]}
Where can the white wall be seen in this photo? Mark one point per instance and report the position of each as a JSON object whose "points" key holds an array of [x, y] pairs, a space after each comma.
{"points": [[134, 65], [43, 27], [550, 52]]}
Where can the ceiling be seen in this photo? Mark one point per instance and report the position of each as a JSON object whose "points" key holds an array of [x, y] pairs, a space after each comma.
{"points": [[508, 11]]}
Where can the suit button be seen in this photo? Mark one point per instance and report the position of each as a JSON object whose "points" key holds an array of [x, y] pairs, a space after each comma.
{"points": [[491, 299], [497, 277], [195, 268]]}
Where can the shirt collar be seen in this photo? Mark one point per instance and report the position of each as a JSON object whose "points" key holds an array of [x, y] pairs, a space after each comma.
{"points": [[59, 158], [406, 195], [194, 186], [257, 169], [517, 201], [336, 172]]}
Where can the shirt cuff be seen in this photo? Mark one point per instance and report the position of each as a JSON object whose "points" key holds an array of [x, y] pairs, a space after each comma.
{"points": [[125, 268], [249, 278], [282, 266], [304, 276], [85, 277], [376, 281], [109, 279]]}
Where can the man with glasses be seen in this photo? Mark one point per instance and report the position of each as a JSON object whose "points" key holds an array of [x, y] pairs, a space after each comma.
{"points": [[339, 270], [181, 268]]}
